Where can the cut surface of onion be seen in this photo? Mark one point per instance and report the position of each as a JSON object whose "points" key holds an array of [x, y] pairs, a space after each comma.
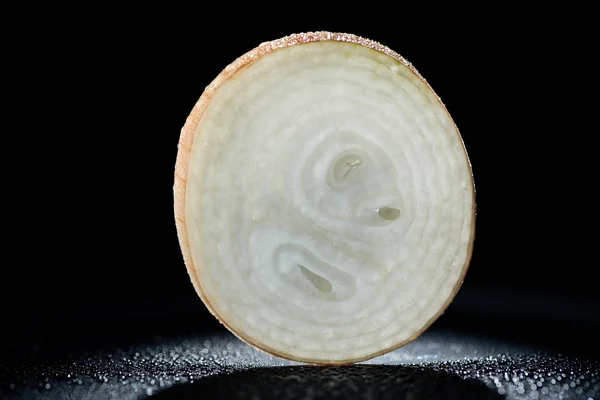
{"points": [[324, 200]]}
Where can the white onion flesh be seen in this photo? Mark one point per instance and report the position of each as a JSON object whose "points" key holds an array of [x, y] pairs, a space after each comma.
{"points": [[324, 199]]}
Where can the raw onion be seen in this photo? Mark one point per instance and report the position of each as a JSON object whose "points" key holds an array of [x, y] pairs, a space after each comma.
{"points": [[324, 200]]}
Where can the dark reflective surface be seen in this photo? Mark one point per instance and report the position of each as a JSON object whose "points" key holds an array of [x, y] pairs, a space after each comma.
{"points": [[219, 366], [345, 382]]}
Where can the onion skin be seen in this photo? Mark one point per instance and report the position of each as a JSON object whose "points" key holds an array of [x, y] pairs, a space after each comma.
{"points": [[183, 156]]}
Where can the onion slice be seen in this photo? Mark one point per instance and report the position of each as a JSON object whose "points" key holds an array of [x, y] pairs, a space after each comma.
{"points": [[324, 200]]}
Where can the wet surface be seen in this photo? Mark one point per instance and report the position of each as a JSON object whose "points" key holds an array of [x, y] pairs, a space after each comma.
{"points": [[350, 382], [355, 381], [220, 367]]}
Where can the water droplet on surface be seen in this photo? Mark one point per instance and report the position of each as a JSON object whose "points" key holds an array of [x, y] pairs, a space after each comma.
{"points": [[388, 213], [321, 284], [345, 165], [534, 395]]}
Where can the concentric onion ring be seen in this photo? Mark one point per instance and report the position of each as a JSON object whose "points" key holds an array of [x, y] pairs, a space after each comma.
{"points": [[324, 200]]}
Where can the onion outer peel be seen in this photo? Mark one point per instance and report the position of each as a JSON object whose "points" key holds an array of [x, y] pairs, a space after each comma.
{"points": [[186, 141]]}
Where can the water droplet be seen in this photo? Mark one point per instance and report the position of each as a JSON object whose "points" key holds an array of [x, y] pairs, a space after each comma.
{"points": [[321, 284], [345, 165], [534, 395], [388, 213]]}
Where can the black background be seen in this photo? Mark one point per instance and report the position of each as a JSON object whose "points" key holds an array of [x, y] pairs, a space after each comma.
{"points": [[103, 106]]}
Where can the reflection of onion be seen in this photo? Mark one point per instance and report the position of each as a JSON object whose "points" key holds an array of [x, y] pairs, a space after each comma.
{"points": [[324, 200]]}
